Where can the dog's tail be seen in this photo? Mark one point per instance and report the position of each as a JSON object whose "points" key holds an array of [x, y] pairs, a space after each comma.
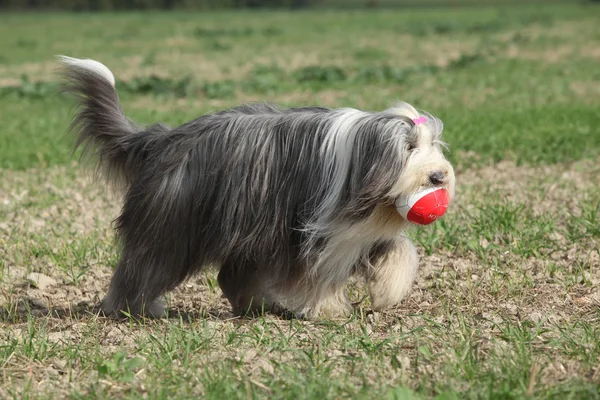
{"points": [[102, 129]]}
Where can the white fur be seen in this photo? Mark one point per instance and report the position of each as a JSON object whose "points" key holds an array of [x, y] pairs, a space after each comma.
{"points": [[91, 65], [392, 279], [322, 292], [402, 108], [337, 150]]}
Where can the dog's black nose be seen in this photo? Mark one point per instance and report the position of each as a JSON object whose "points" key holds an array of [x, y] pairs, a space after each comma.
{"points": [[437, 177]]}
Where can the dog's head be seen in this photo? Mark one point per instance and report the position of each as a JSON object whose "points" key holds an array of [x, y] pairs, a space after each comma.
{"points": [[421, 149], [375, 158]]}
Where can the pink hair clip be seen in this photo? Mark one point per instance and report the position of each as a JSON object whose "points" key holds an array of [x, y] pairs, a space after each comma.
{"points": [[420, 120]]}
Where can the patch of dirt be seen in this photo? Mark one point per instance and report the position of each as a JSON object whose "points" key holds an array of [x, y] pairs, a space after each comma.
{"points": [[8, 82], [38, 71], [589, 90], [560, 31], [550, 56], [569, 39], [546, 188]]}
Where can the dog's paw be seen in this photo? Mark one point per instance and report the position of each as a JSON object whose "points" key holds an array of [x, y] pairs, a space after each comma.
{"points": [[263, 308], [381, 301], [330, 309], [155, 309]]}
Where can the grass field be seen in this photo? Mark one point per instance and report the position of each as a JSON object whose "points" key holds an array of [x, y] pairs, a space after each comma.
{"points": [[507, 301]]}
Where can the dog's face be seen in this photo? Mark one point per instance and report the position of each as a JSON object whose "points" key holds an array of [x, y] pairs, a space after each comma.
{"points": [[408, 157], [426, 166]]}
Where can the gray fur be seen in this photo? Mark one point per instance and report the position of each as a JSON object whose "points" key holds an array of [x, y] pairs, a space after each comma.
{"points": [[255, 190]]}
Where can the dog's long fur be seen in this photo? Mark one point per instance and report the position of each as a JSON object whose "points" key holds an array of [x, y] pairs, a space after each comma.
{"points": [[287, 204]]}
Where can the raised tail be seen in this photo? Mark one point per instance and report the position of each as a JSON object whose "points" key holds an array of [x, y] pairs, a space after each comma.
{"points": [[102, 129]]}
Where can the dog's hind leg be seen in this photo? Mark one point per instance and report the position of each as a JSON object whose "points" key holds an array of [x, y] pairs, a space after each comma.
{"points": [[124, 298], [245, 289], [392, 275], [136, 286]]}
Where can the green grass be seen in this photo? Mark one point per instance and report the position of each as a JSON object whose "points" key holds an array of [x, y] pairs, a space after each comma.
{"points": [[494, 104], [507, 302]]}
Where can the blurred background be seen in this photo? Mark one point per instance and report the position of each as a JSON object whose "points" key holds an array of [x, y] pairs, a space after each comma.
{"points": [[509, 78], [95, 5]]}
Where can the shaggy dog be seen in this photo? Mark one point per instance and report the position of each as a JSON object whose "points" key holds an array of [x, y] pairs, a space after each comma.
{"points": [[287, 204]]}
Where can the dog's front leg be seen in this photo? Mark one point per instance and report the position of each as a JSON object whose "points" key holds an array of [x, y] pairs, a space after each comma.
{"points": [[334, 304], [391, 278]]}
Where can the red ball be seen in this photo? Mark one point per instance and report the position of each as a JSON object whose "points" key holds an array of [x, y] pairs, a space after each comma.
{"points": [[425, 206]]}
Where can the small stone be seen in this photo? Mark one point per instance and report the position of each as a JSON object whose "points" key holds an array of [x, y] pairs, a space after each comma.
{"points": [[266, 366], [535, 317], [335, 353], [495, 318], [40, 281], [37, 222], [568, 298], [248, 355], [60, 364], [511, 309]]}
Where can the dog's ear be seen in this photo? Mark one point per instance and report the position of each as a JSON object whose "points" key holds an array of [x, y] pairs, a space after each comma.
{"points": [[377, 162]]}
